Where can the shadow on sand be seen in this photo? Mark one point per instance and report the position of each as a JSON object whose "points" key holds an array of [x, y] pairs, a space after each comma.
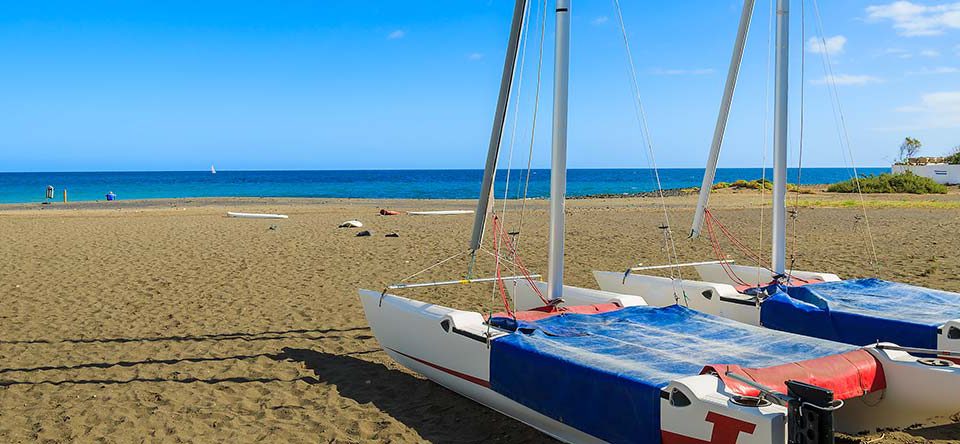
{"points": [[241, 336], [436, 413]]}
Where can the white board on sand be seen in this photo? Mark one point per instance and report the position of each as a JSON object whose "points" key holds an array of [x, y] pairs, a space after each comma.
{"points": [[256, 215], [439, 213]]}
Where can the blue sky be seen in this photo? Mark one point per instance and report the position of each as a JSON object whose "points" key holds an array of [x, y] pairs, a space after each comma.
{"points": [[177, 85]]}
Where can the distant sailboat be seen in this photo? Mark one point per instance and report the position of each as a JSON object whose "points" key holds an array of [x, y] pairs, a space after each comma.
{"points": [[213, 170]]}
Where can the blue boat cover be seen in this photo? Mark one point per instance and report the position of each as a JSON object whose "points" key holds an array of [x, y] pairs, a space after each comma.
{"points": [[602, 373], [862, 311]]}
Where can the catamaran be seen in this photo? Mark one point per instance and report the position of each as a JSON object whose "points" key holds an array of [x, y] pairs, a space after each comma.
{"points": [[588, 366], [855, 311]]}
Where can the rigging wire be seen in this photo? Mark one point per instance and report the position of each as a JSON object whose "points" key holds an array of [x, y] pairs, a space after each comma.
{"points": [[513, 136], [842, 131], [767, 141], [642, 120], [796, 205], [533, 126]]}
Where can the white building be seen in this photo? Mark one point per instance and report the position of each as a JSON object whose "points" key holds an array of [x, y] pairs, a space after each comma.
{"points": [[932, 167]]}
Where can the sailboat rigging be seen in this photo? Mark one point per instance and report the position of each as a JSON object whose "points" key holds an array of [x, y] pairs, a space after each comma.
{"points": [[588, 366], [857, 311]]}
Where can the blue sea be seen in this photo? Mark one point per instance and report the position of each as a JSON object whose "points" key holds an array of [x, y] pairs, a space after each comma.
{"points": [[379, 184]]}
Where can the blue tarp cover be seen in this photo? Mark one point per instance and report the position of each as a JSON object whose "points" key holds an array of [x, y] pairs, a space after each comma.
{"points": [[862, 311], [602, 373]]}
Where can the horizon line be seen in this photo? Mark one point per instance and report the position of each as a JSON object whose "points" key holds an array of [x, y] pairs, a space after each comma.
{"points": [[415, 169]]}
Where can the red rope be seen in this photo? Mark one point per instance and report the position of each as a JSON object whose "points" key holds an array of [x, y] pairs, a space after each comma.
{"points": [[718, 251], [496, 249], [517, 260]]}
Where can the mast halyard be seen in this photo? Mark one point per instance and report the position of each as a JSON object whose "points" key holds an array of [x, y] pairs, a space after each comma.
{"points": [[493, 151], [558, 163], [731, 84], [781, 92]]}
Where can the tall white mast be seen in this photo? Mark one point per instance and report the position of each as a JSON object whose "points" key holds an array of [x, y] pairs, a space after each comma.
{"points": [[493, 151], [781, 92], [732, 73], [558, 164]]}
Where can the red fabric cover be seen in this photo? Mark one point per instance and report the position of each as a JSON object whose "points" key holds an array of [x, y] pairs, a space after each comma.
{"points": [[794, 282], [539, 313], [384, 212], [848, 375]]}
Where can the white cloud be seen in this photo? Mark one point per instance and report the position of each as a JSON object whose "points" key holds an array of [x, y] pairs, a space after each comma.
{"points": [[847, 79], [398, 34], [600, 20], [930, 53], [830, 45], [911, 19], [937, 70], [899, 52], [935, 110], [681, 72], [474, 56]]}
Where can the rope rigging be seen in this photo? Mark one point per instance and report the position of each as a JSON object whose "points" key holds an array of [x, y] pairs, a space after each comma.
{"points": [[842, 132], [671, 250]]}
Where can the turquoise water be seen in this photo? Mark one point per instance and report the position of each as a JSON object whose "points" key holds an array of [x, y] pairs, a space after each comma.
{"points": [[381, 184]]}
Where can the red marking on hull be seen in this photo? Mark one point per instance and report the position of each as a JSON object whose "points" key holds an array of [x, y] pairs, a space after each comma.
{"points": [[848, 375], [794, 282], [448, 371], [726, 430], [536, 314]]}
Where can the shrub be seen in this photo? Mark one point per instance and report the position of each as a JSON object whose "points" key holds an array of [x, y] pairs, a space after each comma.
{"points": [[953, 159], [890, 183], [721, 185]]}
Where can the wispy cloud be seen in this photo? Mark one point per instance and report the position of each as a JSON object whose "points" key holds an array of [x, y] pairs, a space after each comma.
{"points": [[847, 79], [899, 53], [398, 34], [936, 70], [600, 20], [681, 72], [912, 19], [930, 53], [474, 56], [830, 45], [934, 110]]}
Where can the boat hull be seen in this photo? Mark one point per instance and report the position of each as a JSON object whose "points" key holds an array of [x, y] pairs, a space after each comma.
{"points": [[450, 347]]}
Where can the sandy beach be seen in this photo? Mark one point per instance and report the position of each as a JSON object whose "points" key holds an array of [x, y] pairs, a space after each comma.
{"points": [[165, 321]]}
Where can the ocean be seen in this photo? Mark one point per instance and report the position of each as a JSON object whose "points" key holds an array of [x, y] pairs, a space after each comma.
{"points": [[379, 184]]}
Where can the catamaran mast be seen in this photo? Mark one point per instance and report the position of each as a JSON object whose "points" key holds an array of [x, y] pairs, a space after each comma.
{"points": [[558, 163], [493, 151], [732, 73], [781, 92]]}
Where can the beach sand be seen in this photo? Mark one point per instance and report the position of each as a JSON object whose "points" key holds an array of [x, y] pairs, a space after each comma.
{"points": [[165, 321]]}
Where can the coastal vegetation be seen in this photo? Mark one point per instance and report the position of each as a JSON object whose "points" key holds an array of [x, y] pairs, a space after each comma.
{"points": [[909, 149], [890, 183], [954, 158], [754, 185]]}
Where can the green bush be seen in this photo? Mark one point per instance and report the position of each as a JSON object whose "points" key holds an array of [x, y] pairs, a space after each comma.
{"points": [[953, 159], [721, 185], [890, 183]]}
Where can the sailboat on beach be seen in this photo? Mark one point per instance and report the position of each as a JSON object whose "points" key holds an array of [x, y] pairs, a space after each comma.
{"points": [[855, 311], [588, 366]]}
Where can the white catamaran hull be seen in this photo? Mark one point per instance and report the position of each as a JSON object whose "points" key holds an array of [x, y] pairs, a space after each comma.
{"points": [[716, 294], [457, 357], [450, 347]]}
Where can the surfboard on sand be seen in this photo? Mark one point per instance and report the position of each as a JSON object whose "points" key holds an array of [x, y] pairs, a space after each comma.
{"points": [[256, 215], [439, 213]]}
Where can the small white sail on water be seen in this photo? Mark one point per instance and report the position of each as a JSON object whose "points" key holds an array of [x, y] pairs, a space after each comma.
{"points": [[588, 366], [213, 170]]}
